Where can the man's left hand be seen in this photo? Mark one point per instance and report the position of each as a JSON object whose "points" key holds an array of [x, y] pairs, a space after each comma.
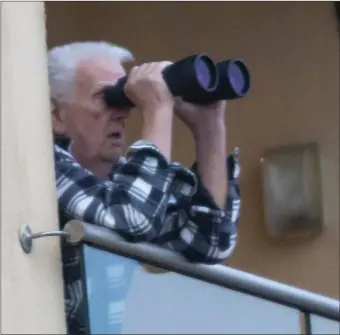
{"points": [[207, 124], [200, 118]]}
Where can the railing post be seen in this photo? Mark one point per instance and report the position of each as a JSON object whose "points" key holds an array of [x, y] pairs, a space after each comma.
{"points": [[306, 328]]}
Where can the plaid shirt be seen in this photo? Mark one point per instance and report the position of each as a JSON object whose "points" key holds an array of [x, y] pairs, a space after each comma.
{"points": [[145, 199]]}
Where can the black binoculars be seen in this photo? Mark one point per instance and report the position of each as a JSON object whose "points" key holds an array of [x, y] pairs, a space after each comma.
{"points": [[196, 79]]}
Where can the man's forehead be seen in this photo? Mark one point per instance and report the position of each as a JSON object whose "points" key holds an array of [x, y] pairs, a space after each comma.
{"points": [[100, 69]]}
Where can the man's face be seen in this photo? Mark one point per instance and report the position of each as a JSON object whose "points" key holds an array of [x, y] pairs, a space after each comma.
{"points": [[96, 132]]}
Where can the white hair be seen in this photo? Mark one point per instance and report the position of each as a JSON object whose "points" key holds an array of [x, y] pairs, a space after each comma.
{"points": [[63, 61]]}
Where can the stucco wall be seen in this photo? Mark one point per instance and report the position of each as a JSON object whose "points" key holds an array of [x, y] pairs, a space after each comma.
{"points": [[31, 285]]}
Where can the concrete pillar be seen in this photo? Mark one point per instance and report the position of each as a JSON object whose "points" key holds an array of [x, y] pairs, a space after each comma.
{"points": [[31, 285]]}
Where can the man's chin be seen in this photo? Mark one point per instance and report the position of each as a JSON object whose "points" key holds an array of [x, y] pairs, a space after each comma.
{"points": [[113, 155]]}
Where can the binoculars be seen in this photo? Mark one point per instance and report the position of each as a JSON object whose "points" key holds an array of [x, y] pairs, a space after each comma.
{"points": [[196, 79]]}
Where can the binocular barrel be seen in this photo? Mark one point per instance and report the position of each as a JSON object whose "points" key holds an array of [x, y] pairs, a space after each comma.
{"points": [[196, 79]]}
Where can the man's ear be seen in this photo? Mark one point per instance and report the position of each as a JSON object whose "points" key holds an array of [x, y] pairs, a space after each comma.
{"points": [[58, 124]]}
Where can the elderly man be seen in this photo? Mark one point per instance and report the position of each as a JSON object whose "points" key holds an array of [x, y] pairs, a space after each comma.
{"points": [[143, 196]]}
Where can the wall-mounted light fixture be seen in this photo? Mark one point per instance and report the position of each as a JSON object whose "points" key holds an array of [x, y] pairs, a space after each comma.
{"points": [[292, 191]]}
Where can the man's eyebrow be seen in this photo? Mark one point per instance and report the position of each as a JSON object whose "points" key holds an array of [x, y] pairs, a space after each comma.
{"points": [[104, 83], [98, 93], [99, 88]]}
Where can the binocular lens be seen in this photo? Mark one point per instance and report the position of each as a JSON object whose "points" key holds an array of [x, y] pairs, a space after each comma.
{"points": [[239, 77], [205, 72]]}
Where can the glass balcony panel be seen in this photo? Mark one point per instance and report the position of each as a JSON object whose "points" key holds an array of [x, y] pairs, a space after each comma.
{"points": [[320, 325], [124, 298]]}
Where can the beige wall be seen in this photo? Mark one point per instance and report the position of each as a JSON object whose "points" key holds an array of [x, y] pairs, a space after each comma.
{"points": [[31, 285], [292, 49]]}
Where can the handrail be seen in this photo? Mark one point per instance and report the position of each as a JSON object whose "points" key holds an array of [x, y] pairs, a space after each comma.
{"points": [[220, 275]]}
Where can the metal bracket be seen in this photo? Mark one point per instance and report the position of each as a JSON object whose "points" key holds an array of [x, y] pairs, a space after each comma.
{"points": [[26, 236]]}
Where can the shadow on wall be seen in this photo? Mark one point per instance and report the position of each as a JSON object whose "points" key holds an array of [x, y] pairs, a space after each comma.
{"points": [[292, 49]]}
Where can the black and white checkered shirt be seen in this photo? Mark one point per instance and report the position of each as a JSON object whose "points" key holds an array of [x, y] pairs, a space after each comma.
{"points": [[146, 199]]}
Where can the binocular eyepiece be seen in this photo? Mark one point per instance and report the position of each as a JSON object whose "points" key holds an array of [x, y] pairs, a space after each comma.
{"points": [[195, 79]]}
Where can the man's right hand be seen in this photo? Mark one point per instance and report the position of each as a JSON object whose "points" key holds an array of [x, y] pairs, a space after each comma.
{"points": [[146, 88]]}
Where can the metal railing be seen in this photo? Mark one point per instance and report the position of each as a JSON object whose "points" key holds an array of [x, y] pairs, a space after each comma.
{"points": [[305, 301]]}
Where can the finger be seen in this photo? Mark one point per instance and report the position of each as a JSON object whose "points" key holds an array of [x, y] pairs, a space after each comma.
{"points": [[219, 103], [222, 103], [144, 69], [158, 67], [153, 68], [162, 65], [133, 71]]}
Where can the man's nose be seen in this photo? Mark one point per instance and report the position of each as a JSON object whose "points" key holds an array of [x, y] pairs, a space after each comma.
{"points": [[120, 114]]}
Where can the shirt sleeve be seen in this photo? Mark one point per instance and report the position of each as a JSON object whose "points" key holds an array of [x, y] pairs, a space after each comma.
{"points": [[134, 203], [206, 234], [150, 200]]}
